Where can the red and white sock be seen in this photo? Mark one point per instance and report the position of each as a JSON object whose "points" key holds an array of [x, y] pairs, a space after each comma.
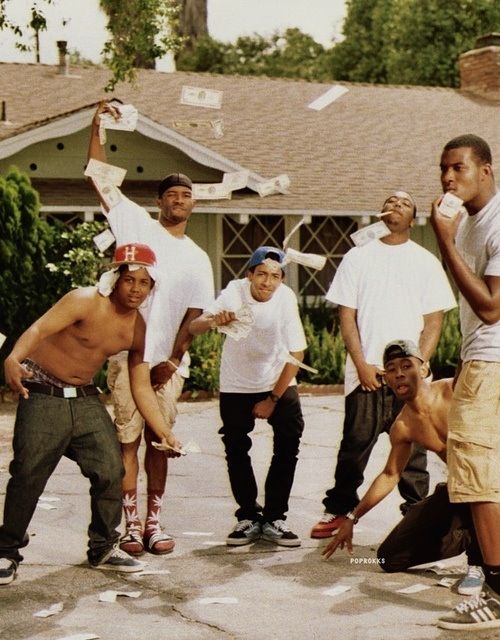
{"points": [[129, 502], [155, 501]]}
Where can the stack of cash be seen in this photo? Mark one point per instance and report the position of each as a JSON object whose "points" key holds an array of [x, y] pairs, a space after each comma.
{"points": [[241, 326]]}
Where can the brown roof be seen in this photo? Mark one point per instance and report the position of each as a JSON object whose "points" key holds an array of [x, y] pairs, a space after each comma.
{"points": [[343, 158]]}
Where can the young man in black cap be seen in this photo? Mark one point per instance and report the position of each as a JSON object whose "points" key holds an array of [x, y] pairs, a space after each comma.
{"points": [[434, 528], [186, 289], [257, 380], [59, 413]]}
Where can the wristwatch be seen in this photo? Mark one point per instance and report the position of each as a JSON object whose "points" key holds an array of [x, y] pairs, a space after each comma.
{"points": [[274, 397], [350, 516]]}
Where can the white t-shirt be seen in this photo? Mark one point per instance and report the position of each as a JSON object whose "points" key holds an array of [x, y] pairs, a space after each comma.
{"points": [[253, 364], [478, 242], [392, 287], [186, 278]]}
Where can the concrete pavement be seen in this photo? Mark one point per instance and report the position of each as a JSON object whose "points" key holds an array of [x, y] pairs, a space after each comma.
{"points": [[274, 593]]}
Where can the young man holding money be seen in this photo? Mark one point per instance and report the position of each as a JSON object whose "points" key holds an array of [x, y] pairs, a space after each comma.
{"points": [[186, 289], [434, 528], [470, 246], [262, 350], [51, 366], [383, 291]]}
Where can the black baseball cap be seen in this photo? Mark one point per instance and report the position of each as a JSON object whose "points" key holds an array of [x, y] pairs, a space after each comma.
{"points": [[401, 349], [174, 180]]}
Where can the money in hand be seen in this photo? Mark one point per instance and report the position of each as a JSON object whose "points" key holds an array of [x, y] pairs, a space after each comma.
{"points": [[369, 233], [126, 122], [199, 97], [450, 205], [279, 184]]}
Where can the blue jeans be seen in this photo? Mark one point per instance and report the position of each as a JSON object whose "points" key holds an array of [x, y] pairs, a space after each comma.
{"points": [[367, 415], [46, 429], [238, 422]]}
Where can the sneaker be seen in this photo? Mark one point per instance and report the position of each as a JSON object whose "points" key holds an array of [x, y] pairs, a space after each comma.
{"points": [[479, 612], [278, 532], [118, 560], [244, 532], [472, 583], [8, 569], [327, 525]]}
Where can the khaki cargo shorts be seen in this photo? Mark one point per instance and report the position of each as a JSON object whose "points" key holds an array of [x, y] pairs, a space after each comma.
{"points": [[128, 421], [473, 447]]}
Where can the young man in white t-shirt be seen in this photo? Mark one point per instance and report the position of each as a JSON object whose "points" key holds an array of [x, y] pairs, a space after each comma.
{"points": [[388, 289], [186, 289], [257, 380], [470, 246]]}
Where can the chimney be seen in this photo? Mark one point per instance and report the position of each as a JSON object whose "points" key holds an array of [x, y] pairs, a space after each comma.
{"points": [[62, 45], [480, 67]]}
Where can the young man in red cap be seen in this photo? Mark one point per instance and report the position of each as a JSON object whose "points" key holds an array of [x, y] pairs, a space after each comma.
{"points": [[51, 366], [186, 289], [434, 528], [257, 380]]}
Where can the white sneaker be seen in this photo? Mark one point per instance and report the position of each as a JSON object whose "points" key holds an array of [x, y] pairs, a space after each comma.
{"points": [[472, 583], [118, 560]]}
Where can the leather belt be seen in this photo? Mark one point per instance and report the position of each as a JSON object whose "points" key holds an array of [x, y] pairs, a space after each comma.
{"points": [[61, 392]]}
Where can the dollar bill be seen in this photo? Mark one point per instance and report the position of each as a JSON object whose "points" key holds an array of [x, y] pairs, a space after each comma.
{"points": [[109, 193], [327, 98], [279, 184], [216, 126], [215, 191], [287, 357], [450, 205], [127, 120], [236, 180], [104, 240], [199, 97], [371, 232], [165, 447], [312, 260], [241, 326], [105, 172]]}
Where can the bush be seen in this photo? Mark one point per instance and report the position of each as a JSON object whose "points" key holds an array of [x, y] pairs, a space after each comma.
{"points": [[445, 359], [325, 352], [205, 352]]}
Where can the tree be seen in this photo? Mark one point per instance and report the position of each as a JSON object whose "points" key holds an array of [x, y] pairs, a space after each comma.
{"points": [[410, 41], [193, 23]]}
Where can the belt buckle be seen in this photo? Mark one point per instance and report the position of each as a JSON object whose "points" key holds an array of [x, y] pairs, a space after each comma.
{"points": [[69, 392]]}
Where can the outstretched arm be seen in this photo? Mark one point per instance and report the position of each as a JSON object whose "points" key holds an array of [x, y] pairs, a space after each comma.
{"points": [[207, 321], [381, 487], [97, 151]]}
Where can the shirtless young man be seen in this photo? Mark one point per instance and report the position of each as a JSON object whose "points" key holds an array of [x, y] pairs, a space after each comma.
{"points": [[434, 528], [51, 366]]}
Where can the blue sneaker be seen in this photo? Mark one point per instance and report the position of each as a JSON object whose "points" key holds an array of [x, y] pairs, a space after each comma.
{"points": [[472, 583], [118, 560], [8, 569], [277, 532], [244, 532]]}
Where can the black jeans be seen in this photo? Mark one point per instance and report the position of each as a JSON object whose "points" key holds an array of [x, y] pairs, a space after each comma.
{"points": [[237, 423], [433, 529], [367, 415], [47, 428]]}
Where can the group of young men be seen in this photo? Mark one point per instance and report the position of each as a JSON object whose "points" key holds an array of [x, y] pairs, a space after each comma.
{"points": [[391, 296]]}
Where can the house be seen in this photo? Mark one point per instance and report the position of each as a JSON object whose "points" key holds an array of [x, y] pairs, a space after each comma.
{"points": [[342, 160]]}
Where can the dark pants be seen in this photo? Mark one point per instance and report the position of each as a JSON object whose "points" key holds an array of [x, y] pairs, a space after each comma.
{"points": [[47, 428], [367, 415], [237, 423], [434, 529]]}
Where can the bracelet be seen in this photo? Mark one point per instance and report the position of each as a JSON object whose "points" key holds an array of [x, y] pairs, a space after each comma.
{"points": [[350, 516], [175, 366]]}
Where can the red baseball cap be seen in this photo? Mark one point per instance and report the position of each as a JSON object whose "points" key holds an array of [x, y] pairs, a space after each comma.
{"points": [[133, 253]]}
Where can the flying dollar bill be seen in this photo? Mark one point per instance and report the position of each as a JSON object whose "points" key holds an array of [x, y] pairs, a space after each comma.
{"points": [[104, 240], [235, 180], [279, 184], [287, 357], [371, 232], [215, 191], [105, 172], [199, 97], [109, 193], [312, 260]]}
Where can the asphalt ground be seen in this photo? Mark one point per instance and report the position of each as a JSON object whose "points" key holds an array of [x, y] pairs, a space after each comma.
{"points": [[206, 591]]}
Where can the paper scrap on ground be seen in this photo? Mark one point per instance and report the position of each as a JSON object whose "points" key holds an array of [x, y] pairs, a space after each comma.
{"points": [[371, 232], [241, 326], [199, 97], [191, 447], [214, 543], [51, 611], [108, 192], [2, 339], [287, 357], [49, 498], [104, 172], [150, 572], [336, 590], [126, 122], [414, 588], [446, 582], [215, 191], [166, 447], [311, 260], [442, 570], [110, 595], [279, 184], [235, 180], [104, 240], [81, 636], [46, 506], [221, 600], [197, 533], [450, 205], [328, 97]]}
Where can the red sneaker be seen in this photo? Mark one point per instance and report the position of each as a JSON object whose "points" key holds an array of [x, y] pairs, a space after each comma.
{"points": [[327, 526]]}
